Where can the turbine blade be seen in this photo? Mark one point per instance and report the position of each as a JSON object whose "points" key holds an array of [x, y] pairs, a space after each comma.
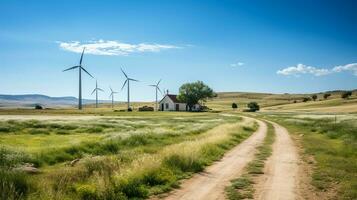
{"points": [[124, 84], [80, 62], [159, 89], [133, 79], [87, 72], [111, 89], [94, 90], [158, 82], [152, 85], [74, 67], [124, 73], [111, 95], [100, 89]]}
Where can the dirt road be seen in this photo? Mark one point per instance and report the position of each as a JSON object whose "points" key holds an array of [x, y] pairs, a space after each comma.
{"points": [[211, 183], [280, 179]]}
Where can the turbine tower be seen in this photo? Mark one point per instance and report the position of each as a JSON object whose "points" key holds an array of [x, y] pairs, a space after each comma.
{"points": [[80, 68], [127, 81], [156, 89], [112, 96], [96, 89]]}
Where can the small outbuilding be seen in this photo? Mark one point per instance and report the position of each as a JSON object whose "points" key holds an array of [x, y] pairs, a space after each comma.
{"points": [[171, 103]]}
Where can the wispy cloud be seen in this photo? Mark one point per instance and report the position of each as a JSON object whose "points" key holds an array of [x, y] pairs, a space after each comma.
{"points": [[113, 48], [349, 67], [237, 64], [304, 69]]}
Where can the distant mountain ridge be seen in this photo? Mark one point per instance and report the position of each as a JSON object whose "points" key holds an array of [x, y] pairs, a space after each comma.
{"points": [[30, 100]]}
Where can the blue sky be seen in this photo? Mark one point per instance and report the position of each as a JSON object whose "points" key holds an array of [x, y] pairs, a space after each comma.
{"points": [[257, 46]]}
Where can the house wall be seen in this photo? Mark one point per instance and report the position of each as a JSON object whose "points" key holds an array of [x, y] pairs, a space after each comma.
{"points": [[171, 105]]}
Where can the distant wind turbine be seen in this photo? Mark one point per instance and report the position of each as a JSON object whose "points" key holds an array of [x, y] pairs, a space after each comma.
{"points": [[96, 89], [112, 96], [127, 81], [156, 89], [80, 68]]}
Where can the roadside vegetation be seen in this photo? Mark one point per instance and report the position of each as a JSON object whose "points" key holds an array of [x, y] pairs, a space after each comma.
{"points": [[128, 157], [243, 187], [332, 142]]}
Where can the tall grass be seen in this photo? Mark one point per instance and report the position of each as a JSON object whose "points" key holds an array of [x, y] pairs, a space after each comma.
{"points": [[13, 183], [135, 174]]}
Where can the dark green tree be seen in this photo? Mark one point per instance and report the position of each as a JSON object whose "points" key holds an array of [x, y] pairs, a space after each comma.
{"points": [[327, 95], [253, 106], [306, 99], [192, 93], [346, 95], [314, 97], [234, 106]]}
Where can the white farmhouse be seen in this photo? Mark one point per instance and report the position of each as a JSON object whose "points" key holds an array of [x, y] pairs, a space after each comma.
{"points": [[171, 103]]}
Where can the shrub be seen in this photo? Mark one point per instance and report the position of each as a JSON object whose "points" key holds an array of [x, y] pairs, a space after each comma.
{"points": [[327, 95], [253, 106], [314, 97], [346, 95], [306, 99], [234, 106], [38, 107], [146, 108]]}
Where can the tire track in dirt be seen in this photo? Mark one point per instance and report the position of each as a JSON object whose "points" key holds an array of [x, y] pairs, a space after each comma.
{"points": [[281, 171], [211, 183]]}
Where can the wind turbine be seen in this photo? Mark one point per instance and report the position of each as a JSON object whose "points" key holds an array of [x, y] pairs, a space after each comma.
{"points": [[112, 96], [156, 89], [127, 81], [96, 89], [80, 68]]}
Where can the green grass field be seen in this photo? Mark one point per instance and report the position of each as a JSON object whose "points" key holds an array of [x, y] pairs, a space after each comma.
{"points": [[137, 154], [126, 155]]}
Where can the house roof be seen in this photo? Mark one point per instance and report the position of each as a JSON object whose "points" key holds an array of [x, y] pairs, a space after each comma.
{"points": [[173, 97]]}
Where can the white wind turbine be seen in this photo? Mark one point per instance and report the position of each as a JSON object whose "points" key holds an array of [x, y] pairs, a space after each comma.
{"points": [[127, 81], [96, 89], [112, 96], [80, 68], [156, 89]]}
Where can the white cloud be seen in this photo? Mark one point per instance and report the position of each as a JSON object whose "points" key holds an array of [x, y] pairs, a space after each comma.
{"points": [[238, 64], [113, 48], [349, 67], [304, 69]]}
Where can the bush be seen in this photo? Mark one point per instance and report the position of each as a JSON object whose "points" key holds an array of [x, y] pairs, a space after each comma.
{"points": [[346, 95], [234, 106], [38, 107], [327, 95], [306, 99], [314, 97], [253, 106], [146, 108]]}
